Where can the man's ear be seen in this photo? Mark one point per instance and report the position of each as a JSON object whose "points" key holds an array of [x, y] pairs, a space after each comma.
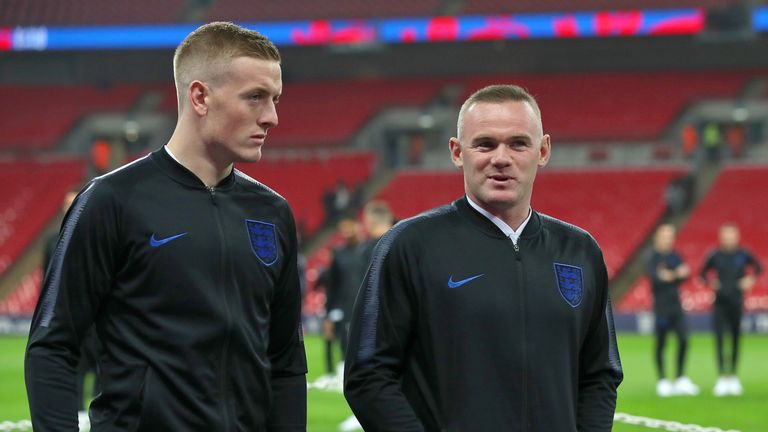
{"points": [[545, 151], [456, 156], [197, 93]]}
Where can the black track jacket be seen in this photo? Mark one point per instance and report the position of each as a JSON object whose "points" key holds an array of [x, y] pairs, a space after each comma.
{"points": [[456, 329], [194, 293]]}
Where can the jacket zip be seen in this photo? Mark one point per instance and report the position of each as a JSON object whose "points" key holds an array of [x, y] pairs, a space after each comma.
{"points": [[222, 283], [523, 310]]}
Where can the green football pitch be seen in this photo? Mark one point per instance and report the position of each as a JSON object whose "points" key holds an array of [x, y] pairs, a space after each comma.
{"points": [[748, 413]]}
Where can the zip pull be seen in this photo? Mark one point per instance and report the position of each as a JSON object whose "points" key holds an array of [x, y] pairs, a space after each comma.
{"points": [[517, 250], [212, 191]]}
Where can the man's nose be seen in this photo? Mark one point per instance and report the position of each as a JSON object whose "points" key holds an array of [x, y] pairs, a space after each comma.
{"points": [[268, 117]]}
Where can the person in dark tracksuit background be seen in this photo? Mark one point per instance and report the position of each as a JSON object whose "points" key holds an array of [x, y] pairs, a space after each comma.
{"points": [[342, 280], [735, 273], [186, 268], [377, 220], [483, 314], [666, 271]]}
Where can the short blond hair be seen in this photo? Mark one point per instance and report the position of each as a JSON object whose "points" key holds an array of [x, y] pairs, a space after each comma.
{"points": [[378, 212], [497, 93], [205, 53]]}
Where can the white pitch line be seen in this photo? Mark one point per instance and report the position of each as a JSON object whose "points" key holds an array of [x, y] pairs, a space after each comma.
{"points": [[665, 424]]}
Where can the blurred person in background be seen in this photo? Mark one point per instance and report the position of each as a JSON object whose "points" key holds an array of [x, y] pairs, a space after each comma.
{"points": [[731, 271], [185, 267], [342, 281], [667, 270], [377, 220], [483, 314]]}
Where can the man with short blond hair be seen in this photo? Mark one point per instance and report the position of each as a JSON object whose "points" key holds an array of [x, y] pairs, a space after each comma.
{"points": [[483, 314], [186, 268]]}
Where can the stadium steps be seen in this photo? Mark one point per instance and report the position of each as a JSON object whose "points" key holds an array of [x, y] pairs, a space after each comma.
{"points": [[634, 269]]}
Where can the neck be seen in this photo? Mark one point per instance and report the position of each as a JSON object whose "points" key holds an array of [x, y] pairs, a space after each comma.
{"points": [[193, 154]]}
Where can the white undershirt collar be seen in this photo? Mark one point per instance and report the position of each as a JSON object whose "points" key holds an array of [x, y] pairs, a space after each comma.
{"points": [[171, 154], [513, 234]]}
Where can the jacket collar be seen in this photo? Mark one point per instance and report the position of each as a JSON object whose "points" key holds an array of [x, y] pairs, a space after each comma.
{"points": [[181, 174], [485, 225]]}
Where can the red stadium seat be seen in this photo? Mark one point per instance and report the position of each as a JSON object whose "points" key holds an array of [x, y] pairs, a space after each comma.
{"points": [[40, 115], [31, 194], [616, 106]]}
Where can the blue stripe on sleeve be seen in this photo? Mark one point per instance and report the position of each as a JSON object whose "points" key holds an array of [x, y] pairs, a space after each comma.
{"points": [[51, 294]]}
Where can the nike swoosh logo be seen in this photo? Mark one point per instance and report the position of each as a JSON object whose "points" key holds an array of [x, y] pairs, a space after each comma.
{"points": [[456, 284], [157, 243]]}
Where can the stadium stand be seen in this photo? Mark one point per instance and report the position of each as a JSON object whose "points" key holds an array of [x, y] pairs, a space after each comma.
{"points": [[622, 106], [88, 12], [30, 195], [303, 181], [529, 6], [737, 196], [272, 10], [594, 200], [40, 115]]}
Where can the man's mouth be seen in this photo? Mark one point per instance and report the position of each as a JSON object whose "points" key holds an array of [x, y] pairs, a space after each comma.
{"points": [[500, 177]]}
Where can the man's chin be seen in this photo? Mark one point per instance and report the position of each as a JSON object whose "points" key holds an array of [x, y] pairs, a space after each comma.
{"points": [[249, 157]]}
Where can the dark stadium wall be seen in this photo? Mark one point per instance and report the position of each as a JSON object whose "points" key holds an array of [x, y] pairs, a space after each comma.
{"points": [[303, 63]]}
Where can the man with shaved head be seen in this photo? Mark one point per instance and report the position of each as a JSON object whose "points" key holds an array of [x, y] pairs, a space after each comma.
{"points": [[185, 267], [484, 314]]}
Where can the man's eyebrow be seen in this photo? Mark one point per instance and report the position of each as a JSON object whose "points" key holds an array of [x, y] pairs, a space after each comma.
{"points": [[262, 90], [507, 139]]}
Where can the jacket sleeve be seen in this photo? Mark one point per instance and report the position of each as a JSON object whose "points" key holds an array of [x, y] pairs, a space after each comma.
{"points": [[79, 277], [600, 370], [651, 267], [380, 332], [286, 347], [752, 261]]}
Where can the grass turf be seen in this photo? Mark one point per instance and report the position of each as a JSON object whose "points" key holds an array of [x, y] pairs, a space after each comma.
{"points": [[326, 410]]}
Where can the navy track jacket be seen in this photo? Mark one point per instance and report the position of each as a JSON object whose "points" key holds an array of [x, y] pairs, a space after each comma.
{"points": [[457, 329], [194, 293]]}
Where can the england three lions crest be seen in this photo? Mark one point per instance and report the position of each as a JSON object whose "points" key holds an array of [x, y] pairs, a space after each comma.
{"points": [[263, 240], [570, 282]]}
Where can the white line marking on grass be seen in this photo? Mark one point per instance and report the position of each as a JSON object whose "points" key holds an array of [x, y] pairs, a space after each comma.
{"points": [[23, 425], [665, 424]]}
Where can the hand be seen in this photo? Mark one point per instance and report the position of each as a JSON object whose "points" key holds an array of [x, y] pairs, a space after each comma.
{"points": [[665, 274], [328, 330], [682, 271], [715, 284], [747, 282]]}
